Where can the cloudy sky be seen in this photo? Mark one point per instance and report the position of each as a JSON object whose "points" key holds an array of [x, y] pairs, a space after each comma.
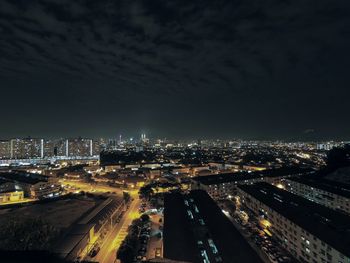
{"points": [[176, 69]]}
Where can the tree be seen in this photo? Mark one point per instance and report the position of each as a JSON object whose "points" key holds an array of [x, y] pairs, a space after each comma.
{"points": [[126, 254], [145, 218], [126, 197], [146, 191]]}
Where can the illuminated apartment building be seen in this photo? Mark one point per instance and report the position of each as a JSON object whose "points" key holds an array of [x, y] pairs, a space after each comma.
{"points": [[5, 149], [27, 148], [222, 185], [79, 147], [309, 231], [335, 195]]}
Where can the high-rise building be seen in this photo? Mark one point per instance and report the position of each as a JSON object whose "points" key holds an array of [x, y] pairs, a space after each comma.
{"points": [[5, 149], [49, 148], [79, 147], [144, 139], [27, 148], [98, 146], [60, 148]]}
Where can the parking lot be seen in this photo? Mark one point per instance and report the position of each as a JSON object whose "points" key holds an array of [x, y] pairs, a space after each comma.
{"points": [[155, 244], [266, 246], [274, 252], [150, 235]]}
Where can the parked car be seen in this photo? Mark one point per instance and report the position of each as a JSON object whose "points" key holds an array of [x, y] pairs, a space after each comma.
{"points": [[94, 251]]}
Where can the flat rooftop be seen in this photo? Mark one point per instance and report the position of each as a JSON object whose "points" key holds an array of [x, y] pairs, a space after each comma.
{"points": [[328, 225], [195, 226], [76, 234], [338, 188], [178, 243], [99, 214], [241, 176], [61, 213]]}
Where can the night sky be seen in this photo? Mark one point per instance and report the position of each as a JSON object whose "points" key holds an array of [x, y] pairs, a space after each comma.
{"points": [[175, 69]]}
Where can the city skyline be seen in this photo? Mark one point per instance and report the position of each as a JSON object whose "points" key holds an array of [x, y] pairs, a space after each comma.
{"points": [[135, 137], [156, 131]]}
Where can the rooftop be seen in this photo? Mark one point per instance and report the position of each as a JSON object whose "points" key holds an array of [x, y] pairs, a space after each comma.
{"points": [[328, 225], [195, 228], [98, 215], [178, 245], [338, 188], [241, 176], [76, 234]]}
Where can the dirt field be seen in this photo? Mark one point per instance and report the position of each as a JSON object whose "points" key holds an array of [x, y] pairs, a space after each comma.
{"points": [[60, 214]]}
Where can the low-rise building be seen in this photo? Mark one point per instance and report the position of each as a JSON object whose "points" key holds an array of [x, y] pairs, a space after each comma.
{"points": [[83, 236], [76, 243], [11, 196], [309, 231], [9, 192], [225, 184], [33, 185], [334, 195]]}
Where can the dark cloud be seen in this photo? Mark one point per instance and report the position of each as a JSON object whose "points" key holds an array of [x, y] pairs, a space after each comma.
{"points": [[177, 68]]}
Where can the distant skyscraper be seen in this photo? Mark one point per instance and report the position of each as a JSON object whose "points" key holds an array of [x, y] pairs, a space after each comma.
{"points": [[49, 148], [55, 147], [26, 148], [98, 146], [113, 144], [5, 149], [144, 139], [79, 147]]}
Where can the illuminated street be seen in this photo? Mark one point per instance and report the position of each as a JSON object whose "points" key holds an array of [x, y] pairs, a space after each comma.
{"points": [[114, 239], [116, 235]]}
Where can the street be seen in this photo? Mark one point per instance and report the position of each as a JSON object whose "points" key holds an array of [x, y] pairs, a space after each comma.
{"points": [[115, 237]]}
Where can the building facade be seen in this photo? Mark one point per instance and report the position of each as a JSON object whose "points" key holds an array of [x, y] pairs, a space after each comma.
{"points": [[33, 185], [333, 195], [310, 232], [79, 147], [35, 148], [27, 148], [220, 186], [11, 196], [5, 149]]}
